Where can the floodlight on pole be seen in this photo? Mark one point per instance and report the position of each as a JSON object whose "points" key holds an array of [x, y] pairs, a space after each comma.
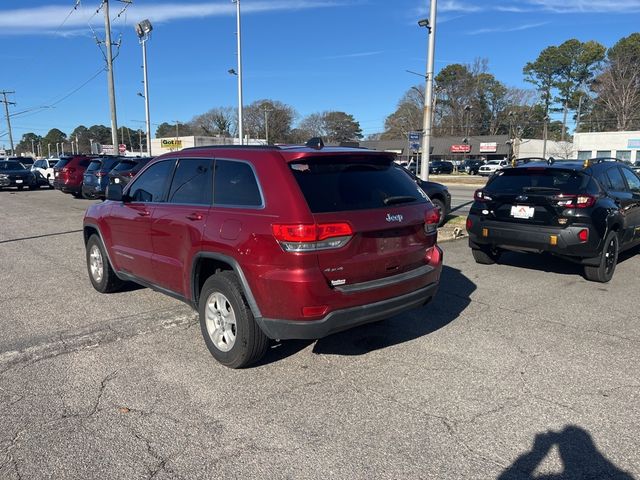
{"points": [[427, 119], [143, 30]]}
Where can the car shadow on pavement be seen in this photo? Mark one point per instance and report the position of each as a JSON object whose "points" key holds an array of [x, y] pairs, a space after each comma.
{"points": [[577, 451], [548, 263], [451, 300]]}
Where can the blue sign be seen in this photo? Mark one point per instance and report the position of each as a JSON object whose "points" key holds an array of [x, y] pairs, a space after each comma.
{"points": [[633, 143], [414, 140]]}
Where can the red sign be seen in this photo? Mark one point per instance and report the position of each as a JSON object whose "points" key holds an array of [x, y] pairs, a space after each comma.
{"points": [[460, 148], [122, 148]]}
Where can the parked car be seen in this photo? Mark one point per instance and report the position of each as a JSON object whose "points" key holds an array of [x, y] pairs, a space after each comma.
{"points": [[471, 166], [124, 171], [69, 174], [15, 174], [26, 161], [438, 167], [342, 234], [584, 212], [438, 194], [44, 169], [492, 166], [96, 176]]}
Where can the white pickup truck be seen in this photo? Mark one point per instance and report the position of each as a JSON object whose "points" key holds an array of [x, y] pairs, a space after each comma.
{"points": [[492, 166]]}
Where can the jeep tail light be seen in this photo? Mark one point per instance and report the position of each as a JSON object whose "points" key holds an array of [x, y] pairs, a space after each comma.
{"points": [[431, 220], [433, 255], [583, 235], [306, 237], [481, 196]]}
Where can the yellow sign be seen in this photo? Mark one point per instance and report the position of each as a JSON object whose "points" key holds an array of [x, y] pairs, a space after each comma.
{"points": [[171, 143]]}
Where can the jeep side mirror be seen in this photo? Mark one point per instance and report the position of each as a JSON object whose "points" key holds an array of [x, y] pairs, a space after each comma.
{"points": [[114, 192]]}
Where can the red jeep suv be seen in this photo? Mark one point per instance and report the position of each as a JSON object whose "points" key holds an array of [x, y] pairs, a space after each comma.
{"points": [[68, 174], [270, 242]]}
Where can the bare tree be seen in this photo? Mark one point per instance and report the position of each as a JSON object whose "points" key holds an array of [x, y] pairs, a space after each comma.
{"points": [[217, 121], [618, 89]]}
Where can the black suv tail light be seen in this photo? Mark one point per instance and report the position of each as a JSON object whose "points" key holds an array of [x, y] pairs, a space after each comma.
{"points": [[481, 196], [575, 201]]}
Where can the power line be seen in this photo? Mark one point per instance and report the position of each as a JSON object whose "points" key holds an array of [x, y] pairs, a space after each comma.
{"points": [[75, 7]]}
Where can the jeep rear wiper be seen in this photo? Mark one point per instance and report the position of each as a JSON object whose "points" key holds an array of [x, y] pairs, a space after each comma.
{"points": [[540, 189], [399, 199]]}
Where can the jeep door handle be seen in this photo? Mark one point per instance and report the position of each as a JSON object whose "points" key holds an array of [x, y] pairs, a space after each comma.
{"points": [[144, 213], [195, 217]]}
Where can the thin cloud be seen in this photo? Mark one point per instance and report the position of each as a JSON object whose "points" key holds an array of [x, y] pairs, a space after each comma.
{"points": [[517, 28], [354, 55], [49, 19], [588, 6]]}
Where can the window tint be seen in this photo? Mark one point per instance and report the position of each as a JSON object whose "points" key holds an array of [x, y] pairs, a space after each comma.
{"points": [[235, 184], [615, 180], [604, 180], [150, 186], [84, 163], [359, 182], [62, 163], [94, 166], [632, 180], [526, 180], [124, 165], [192, 182]]}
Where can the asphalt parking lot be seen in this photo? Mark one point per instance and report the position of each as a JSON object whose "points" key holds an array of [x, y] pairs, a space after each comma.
{"points": [[518, 370]]}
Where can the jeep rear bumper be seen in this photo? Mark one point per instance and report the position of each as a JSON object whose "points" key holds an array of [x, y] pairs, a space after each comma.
{"points": [[347, 318]]}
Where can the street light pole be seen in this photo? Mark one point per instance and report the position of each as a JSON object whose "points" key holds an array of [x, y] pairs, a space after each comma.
{"points": [[143, 29], [428, 97], [240, 131]]}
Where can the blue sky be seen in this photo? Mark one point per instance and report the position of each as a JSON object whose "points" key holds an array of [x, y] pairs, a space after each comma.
{"points": [[315, 55]]}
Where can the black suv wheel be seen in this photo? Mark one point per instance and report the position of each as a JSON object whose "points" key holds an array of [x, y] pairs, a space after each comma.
{"points": [[608, 261]]}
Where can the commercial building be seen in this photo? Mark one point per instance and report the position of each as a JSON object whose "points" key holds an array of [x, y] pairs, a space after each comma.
{"points": [[488, 147], [171, 144], [622, 145]]}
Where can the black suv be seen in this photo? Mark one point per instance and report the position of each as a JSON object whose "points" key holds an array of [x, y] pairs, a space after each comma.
{"points": [[585, 212]]}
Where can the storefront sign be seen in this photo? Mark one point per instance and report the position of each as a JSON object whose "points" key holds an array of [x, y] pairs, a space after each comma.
{"points": [[460, 148], [171, 143], [634, 143], [107, 149], [489, 147]]}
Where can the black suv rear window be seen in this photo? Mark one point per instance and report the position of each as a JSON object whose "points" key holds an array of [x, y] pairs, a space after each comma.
{"points": [[124, 165], [523, 180], [336, 184]]}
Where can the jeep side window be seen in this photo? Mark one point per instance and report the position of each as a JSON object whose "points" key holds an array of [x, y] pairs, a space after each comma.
{"points": [[151, 185], [192, 182], [235, 184], [632, 180], [615, 179]]}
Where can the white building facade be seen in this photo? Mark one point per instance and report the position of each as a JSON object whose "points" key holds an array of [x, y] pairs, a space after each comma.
{"points": [[621, 145]]}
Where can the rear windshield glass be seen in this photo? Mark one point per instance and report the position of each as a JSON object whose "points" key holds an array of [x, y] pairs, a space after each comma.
{"points": [[124, 165], [335, 184], [62, 162], [530, 180], [11, 166], [95, 165]]}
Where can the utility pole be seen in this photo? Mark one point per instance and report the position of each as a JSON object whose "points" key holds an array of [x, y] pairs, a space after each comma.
{"points": [[140, 140], [33, 147], [428, 97], [49, 149], [112, 93], [6, 109], [266, 122]]}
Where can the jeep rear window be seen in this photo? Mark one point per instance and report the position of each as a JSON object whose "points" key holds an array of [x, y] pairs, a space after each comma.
{"points": [[336, 184], [522, 180]]}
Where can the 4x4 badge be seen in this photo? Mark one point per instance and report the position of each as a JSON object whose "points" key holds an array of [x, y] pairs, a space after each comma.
{"points": [[394, 218]]}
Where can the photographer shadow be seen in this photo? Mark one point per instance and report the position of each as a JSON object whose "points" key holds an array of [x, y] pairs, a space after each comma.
{"points": [[578, 453]]}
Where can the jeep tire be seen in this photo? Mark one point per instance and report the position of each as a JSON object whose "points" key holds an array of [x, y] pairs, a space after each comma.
{"points": [[101, 273], [229, 329]]}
